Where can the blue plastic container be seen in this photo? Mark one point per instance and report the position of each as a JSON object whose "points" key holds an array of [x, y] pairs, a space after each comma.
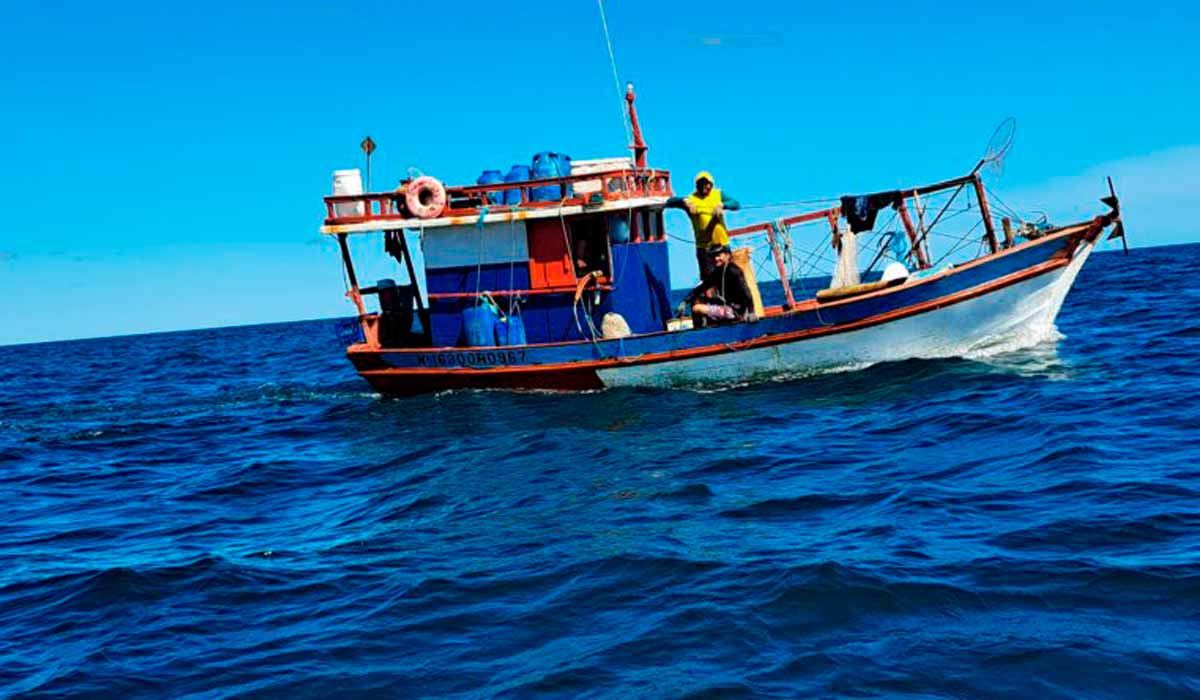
{"points": [[548, 164], [517, 173], [479, 325], [510, 331], [491, 177], [618, 228]]}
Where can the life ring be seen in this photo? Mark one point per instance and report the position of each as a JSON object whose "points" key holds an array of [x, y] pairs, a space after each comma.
{"points": [[425, 197]]}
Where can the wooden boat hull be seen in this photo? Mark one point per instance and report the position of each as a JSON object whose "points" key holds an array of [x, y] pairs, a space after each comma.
{"points": [[1006, 300]]}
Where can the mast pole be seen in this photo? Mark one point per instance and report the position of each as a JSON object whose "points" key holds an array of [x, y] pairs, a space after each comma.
{"points": [[913, 236], [638, 146], [988, 227]]}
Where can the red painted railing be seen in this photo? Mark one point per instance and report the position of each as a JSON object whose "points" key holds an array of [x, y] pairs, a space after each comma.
{"points": [[469, 200]]}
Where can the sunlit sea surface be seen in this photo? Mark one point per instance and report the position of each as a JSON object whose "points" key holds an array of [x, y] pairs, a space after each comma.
{"points": [[233, 512]]}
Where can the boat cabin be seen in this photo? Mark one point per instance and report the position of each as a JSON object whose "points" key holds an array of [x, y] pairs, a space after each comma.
{"points": [[554, 255]]}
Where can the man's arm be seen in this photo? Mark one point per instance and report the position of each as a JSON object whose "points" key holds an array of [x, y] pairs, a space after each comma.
{"points": [[679, 203], [729, 203]]}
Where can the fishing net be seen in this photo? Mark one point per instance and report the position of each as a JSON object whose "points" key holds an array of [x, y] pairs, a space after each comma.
{"points": [[845, 274], [998, 147]]}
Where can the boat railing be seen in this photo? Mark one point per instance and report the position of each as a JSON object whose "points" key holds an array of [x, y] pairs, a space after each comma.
{"points": [[470, 200], [917, 233]]}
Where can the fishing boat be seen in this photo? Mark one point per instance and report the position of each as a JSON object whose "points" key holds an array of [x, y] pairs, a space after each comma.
{"points": [[509, 302]]}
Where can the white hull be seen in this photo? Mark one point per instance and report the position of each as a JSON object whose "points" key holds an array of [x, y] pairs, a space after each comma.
{"points": [[1012, 318]]}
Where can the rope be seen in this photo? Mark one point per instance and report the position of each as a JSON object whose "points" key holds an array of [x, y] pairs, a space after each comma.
{"points": [[938, 218], [1004, 206], [479, 258], [512, 263], [612, 59], [962, 242], [793, 203], [579, 286]]}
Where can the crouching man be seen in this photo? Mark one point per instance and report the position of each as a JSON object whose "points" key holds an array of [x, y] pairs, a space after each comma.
{"points": [[722, 296]]}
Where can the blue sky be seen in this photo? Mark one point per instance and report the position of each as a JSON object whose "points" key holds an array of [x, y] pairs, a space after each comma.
{"points": [[166, 162]]}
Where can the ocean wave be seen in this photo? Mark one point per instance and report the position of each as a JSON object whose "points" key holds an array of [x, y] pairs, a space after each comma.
{"points": [[233, 512]]}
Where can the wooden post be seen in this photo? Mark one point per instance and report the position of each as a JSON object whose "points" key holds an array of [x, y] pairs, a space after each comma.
{"points": [[370, 323], [353, 293], [412, 274], [914, 238], [989, 228], [422, 312], [783, 275], [922, 243], [1008, 232]]}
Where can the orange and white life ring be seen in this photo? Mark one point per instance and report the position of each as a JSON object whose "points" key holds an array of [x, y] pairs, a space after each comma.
{"points": [[425, 197]]}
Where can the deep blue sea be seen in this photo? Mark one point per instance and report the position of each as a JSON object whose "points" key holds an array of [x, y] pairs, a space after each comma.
{"points": [[233, 513]]}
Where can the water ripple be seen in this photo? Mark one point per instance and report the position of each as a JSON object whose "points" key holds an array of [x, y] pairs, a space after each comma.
{"points": [[230, 512]]}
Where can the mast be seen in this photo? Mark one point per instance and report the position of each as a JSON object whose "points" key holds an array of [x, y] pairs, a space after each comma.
{"points": [[638, 146]]}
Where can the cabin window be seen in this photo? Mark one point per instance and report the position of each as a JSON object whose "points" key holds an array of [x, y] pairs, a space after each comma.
{"points": [[589, 246], [652, 230], [647, 226]]}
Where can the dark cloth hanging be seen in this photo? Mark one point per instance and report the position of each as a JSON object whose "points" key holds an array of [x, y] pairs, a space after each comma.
{"points": [[860, 210], [393, 244]]}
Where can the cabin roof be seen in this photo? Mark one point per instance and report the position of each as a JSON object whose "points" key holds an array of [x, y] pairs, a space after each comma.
{"points": [[505, 216], [607, 189]]}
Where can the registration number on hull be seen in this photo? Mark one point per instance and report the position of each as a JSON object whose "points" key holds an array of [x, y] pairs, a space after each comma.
{"points": [[482, 358]]}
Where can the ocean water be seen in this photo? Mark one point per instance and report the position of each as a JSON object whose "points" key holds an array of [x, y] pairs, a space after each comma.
{"points": [[232, 513]]}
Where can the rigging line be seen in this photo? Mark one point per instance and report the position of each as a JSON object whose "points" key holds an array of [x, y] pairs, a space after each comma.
{"points": [[949, 237], [792, 203], [760, 267], [882, 248], [612, 59], [965, 240], [789, 251], [938, 218], [576, 303], [809, 263], [512, 263], [999, 204], [1004, 205]]}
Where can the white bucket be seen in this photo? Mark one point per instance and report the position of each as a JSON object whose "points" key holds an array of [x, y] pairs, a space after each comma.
{"points": [[894, 271], [348, 182]]}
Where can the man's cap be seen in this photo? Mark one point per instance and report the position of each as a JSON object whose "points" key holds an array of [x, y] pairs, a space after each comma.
{"points": [[704, 175], [717, 249]]}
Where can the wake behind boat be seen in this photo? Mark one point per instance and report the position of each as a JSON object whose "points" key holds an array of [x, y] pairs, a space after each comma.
{"points": [[556, 277]]}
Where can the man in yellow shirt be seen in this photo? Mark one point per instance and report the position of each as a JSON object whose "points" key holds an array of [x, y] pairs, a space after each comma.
{"points": [[706, 208]]}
